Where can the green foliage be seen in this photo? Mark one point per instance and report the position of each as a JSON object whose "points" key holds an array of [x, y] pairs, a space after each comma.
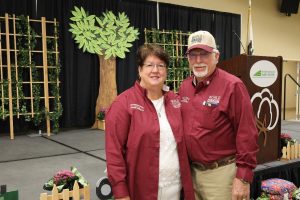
{"points": [[4, 113], [18, 102], [26, 43], [53, 82], [109, 34], [101, 114], [263, 196], [296, 194]]}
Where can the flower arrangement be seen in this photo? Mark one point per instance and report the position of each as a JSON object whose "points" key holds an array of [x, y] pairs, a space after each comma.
{"points": [[285, 138], [64, 179], [101, 114]]}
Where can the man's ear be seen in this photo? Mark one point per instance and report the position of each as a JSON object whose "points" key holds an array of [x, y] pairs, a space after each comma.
{"points": [[217, 58]]}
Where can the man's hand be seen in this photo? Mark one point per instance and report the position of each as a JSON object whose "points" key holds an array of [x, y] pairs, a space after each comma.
{"points": [[240, 190], [125, 198]]}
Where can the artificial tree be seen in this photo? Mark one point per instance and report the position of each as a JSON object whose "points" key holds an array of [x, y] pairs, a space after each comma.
{"points": [[109, 36]]}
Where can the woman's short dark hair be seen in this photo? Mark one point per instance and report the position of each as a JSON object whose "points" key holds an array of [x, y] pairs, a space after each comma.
{"points": [[151, 49]]}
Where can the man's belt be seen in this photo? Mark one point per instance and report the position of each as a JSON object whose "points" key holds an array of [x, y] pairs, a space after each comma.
{"points": [[222, 162]]}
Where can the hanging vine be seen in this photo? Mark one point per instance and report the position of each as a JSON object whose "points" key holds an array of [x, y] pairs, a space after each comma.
{"points": [[54, 72], [27, 79], [3, 90], [23, 59], [23, 84], [4, 95], [26, 44]]}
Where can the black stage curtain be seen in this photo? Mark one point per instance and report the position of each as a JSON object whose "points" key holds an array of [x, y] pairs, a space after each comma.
{"points": [[17, 7], [144, 16], [174, 17], [225, 27], [222, 25], [80, 71]]}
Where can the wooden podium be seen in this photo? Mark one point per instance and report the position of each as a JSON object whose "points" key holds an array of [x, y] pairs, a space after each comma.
{"points": [[262, 77]]}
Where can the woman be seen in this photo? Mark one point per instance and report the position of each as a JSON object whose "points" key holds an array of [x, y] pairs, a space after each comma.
{"points": [[145, 152]]}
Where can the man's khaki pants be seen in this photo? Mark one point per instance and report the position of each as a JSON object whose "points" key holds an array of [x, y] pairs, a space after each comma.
{"points": [[215, 184]]}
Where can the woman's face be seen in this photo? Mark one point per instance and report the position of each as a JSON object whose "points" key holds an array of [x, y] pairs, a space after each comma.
{"points": [[153, 73]]}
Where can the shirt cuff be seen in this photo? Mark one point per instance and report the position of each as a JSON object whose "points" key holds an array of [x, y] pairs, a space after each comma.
{"points": [[244, 173], [120, 190]]}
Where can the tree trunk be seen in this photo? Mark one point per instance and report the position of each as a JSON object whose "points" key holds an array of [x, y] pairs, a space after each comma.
{"points": [[108, 87]]}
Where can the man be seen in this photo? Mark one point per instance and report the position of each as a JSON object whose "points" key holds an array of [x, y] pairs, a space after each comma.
{"points": [[219, 124]]}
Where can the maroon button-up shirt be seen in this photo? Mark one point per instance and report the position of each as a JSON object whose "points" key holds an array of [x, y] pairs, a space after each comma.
{"points": [[132, 145], [219, 121]]}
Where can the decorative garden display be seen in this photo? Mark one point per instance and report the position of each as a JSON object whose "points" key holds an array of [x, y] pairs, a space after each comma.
{"points": [[108, 36], [29, 87], [101, 119]]}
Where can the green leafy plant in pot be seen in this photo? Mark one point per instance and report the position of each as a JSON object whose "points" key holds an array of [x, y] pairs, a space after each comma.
{"points": [[101, 114]]}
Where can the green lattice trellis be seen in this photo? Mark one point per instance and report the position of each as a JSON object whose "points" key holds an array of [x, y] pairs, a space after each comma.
{"points": [[175, 44], [29, 71]]}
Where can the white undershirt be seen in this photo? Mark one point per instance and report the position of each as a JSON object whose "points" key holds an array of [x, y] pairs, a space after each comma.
{"points": [[169, 173]]}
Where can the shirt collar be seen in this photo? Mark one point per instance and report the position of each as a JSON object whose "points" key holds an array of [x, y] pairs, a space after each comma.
{"points": [[143, 91], [206, 81], [140, 89]]}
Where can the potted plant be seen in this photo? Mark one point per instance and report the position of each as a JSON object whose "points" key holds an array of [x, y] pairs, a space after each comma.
{"points": [[64, 179], [101, 119], [285, 138], [109, 36]]}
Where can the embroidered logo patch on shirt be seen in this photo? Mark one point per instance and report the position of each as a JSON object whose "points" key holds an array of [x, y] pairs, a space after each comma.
{"points": [[137, 107], [212, 101], [185, 99], [175, 103]]}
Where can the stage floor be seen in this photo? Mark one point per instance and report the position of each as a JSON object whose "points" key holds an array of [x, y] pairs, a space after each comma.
{"points": [[28, 161]]}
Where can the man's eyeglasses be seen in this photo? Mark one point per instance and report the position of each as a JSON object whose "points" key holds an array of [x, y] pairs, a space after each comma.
{"points": [[150, 66], [204, 55]]}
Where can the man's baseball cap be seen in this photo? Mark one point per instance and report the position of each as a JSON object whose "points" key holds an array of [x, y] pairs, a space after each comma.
{"points": [[202, 40]]}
